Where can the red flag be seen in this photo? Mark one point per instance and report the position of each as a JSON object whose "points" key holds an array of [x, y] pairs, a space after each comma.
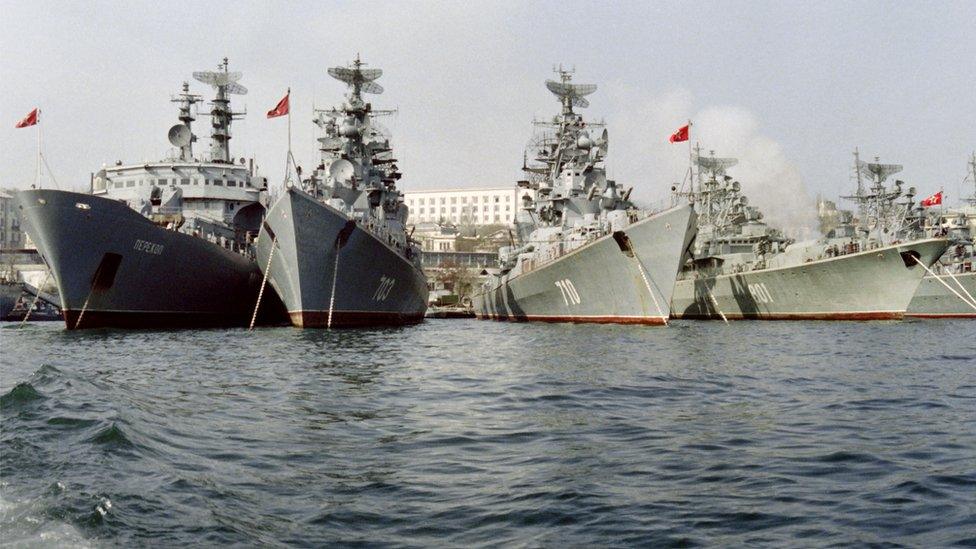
{"points": [[680, 135], [933, 200], [29, 120], [281, 108]]}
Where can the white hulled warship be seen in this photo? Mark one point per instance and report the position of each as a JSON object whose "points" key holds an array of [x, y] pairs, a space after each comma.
{"points": [[744, 269], [159, 244], [585, 253], [335, 247]]}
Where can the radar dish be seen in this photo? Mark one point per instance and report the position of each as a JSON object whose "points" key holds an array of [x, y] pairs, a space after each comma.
{"points": [[371, 87], [217, 78], [179, 135], [715, 166], [342, 170], [574, 92], [879, 171], [358, 77], [235, 88]]}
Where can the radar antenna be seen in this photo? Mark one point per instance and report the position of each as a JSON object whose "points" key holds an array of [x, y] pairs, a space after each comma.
{"points": [[180, 135], [570, 95], [225, 82], [876, 171], [715, 167], [359, 79]]}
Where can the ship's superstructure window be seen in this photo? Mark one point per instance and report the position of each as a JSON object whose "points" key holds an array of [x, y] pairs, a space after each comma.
{"points": [[231, 183], [184, 181], [130, 183], [119, 184], [218, 182]]}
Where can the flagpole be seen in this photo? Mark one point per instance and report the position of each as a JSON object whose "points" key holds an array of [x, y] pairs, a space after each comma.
{"points": [[691, 173], [37, 173], [288, 158]]}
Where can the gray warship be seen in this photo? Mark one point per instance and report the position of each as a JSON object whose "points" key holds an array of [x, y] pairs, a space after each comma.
{"points": [[949, 291], [585, 253], [744, 269], [159, 244], [335, 248]]}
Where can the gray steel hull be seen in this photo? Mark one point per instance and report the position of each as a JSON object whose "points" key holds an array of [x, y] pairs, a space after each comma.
{"points": [[124, 271], [871, 285], [605, 284], [372, 283], [934, 300]]}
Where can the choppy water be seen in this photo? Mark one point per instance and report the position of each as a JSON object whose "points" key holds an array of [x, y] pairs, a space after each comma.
{"points": [[480, 433]]}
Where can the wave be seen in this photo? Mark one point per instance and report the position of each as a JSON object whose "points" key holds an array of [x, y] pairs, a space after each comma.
{"points": [[23, 393]]}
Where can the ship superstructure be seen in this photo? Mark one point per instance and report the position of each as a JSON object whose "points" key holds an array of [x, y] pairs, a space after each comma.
{"points": [[949, 291], [213, 196], [585, 252], [160, 244], [744, 269], [342, 256]]}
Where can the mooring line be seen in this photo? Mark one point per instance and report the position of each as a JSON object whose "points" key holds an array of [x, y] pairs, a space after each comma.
{"points": [[958, 283], [37, 296], [643, 273], [944, 283], [264, 282], [335, 274], [715, 302]]}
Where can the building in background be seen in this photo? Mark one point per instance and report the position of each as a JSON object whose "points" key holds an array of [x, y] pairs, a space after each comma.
{"points": [[461, 207], [11, 234]]}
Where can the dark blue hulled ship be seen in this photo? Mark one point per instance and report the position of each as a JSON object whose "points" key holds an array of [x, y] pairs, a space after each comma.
{"points": [[160, 244]]}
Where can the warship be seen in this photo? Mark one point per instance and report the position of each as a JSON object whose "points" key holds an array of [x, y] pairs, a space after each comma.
{"points": [[949, 291], [159, 244], [744, 269], [585, 253], [334, 247]]}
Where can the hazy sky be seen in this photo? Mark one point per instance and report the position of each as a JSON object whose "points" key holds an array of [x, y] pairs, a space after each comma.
{"points": [[789, 87]]}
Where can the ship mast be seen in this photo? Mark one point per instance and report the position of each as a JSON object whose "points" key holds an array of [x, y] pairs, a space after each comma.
{"points": [[972, 173], [225, 83], [181, 135]]}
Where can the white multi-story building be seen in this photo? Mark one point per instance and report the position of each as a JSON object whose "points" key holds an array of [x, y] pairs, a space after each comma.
{"points": [[484, 206]]}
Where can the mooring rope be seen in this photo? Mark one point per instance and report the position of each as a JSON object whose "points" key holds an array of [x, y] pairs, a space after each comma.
{"points": [[958, 283], [335, 274], [264, 282], [944, 283], [715, 303], [36, 297], [643, 273], [85, 306]]}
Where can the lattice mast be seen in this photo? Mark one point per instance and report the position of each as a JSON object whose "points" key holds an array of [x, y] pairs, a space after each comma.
{"points": [[225, 82]]}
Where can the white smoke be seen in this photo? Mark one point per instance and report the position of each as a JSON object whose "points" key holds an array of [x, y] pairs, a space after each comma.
{"points": [[642, 156]]}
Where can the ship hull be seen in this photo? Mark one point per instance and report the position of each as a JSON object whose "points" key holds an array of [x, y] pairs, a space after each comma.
{"points": [[934, 300], [115, 268], [598, 282], [372, 284], [872, 285]]}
